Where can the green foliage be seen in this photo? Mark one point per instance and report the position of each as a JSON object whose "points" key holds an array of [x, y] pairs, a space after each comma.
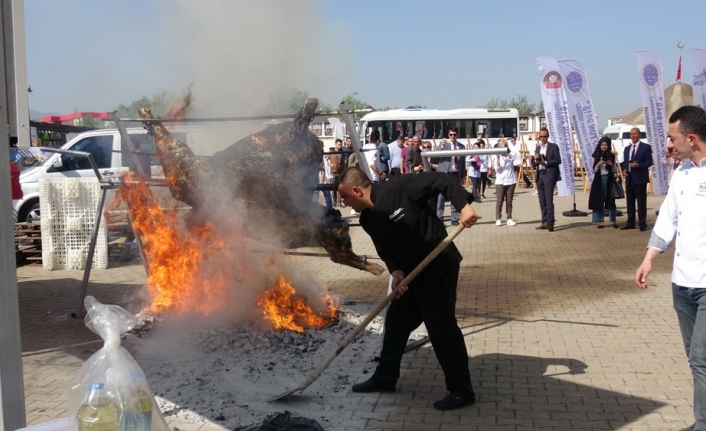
{"points": [[355, 104], [159, 103], [521, 103]]}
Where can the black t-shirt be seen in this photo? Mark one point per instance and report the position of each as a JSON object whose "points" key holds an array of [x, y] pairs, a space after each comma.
{"points": [[402, 225]]}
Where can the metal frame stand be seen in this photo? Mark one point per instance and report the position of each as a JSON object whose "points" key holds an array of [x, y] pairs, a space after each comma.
{"points": [[107, 184]]}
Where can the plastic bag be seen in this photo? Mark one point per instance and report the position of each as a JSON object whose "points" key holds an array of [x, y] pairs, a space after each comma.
{"points": [[110, 392]]}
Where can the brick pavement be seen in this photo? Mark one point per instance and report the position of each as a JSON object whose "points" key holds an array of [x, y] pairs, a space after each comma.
{"points": [[559, 336]]}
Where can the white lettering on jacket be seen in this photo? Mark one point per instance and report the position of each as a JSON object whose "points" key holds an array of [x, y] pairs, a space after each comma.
{"points": [[397, 215]]}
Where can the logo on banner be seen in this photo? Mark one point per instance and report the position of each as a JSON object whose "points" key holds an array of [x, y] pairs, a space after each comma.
{"points": [[574, 82], [650, 75], [700, 79], [552, 80]]}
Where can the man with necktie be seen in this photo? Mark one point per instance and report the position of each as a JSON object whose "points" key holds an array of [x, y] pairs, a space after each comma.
{"points": [[546, 162], [454, 166], [637, 160]]}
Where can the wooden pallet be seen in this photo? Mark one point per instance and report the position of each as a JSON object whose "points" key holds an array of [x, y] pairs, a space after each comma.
{"points": [[28, 242]]}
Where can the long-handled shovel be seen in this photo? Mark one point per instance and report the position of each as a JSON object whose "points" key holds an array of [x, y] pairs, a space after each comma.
{"points": [[315, 375]]}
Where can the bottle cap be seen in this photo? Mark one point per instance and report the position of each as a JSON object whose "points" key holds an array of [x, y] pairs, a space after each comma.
{"points": [[95, 385]]}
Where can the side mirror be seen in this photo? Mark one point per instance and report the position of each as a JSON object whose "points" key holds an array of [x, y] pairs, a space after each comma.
{"points": [[58, 164]]}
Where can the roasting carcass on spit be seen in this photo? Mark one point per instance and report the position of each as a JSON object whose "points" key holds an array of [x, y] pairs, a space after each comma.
{"points": [[274, 171]]}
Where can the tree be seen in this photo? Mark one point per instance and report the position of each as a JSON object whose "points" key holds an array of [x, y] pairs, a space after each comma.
{"points": [[159, 103], [521, 103], [355, 104]]}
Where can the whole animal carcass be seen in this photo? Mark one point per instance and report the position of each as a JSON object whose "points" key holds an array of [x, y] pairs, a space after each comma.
{"points": [[275, 172]]}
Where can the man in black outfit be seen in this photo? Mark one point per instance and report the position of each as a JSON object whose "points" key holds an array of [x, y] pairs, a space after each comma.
{"points": [[546, 162], [637, 160], [405, 229]]}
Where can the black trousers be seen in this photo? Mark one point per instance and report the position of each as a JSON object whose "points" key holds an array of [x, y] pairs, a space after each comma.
{"points": [[635, 192], [431, 299], [545, 191]]}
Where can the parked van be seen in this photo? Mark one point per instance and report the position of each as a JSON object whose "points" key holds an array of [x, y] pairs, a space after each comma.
{"points": [[619, 134], [109, 152]]}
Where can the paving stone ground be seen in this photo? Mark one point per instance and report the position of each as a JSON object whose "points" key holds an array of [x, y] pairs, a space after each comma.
{"points": [[559, 336]]}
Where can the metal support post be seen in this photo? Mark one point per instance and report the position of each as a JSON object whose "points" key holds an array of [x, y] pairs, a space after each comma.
{"points": [[91, 250], [353, 134], [426, 155]]}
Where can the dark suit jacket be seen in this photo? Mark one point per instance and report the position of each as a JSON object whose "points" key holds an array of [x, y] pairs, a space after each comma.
{"points": [[643, 156], [445, 162], [553, 162]]}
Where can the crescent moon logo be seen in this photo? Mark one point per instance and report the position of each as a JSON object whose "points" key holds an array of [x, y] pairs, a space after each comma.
{"points": [[680, 45]]}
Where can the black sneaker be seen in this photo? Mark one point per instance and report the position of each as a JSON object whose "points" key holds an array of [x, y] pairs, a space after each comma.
{"points": [[373, 385], [453, 401]]}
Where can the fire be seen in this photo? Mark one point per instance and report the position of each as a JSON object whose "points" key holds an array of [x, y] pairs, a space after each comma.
{"points": [[191, 265], [285, 310], [177, 253]]}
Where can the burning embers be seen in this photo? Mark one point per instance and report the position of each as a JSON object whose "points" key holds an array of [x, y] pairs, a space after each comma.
{"points": [[193, 267], [285, 310]]}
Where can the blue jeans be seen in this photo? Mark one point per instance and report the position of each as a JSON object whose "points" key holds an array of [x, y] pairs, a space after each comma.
{"points": [[327, 198], [690, 305], [598, 214]]}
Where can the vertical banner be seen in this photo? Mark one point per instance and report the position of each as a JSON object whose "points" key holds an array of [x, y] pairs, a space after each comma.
{"points": [[698, 71], [583, 116], [653, 105], [557, 116]]}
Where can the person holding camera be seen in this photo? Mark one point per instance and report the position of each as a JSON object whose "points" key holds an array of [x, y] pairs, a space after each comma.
{"points": [[505, 182], [637, 160], [546, 162], [600, 198]]}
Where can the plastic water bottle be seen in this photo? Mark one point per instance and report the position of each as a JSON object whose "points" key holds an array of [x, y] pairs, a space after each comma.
{"points": [[98, 411], [137, 413]]}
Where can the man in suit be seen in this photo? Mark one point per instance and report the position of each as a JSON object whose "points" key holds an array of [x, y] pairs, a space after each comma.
{"points": [[637, 159], [454, 166], [546, 162]]}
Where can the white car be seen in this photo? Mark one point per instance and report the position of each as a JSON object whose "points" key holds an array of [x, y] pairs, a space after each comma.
{"points": [[108, 151]]}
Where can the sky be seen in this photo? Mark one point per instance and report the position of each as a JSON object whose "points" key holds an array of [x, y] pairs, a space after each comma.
{"points": [[235, 55]]}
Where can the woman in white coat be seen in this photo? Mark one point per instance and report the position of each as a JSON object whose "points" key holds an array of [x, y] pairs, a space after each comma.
{"points": [[505, 182]]}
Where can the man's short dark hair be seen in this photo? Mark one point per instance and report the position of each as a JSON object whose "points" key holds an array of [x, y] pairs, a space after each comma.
{"points": [[339, 140], [453, 129], [351, 177], [374, 136], [692, 120]]}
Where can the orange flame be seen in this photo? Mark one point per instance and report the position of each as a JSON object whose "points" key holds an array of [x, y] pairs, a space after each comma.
{"points": [[285, 310], [178, 254], [189, 264]]}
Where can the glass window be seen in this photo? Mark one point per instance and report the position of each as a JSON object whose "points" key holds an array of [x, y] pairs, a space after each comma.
{"points": [[145, 144], [328, 129], [100, 147], [524, 123], [316, 128]]}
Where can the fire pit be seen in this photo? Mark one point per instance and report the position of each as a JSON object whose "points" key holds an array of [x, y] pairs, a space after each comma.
{"points": [[203, 372]]}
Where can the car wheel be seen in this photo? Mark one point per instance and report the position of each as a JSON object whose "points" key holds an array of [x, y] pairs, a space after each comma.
{"points": [[29, 213]]}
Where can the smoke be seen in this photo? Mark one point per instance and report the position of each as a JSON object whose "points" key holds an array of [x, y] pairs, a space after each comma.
{"points": [[238, 53]]}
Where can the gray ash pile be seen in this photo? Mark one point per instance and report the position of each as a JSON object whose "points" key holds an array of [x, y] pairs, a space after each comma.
{"points": [[224, 374]]}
